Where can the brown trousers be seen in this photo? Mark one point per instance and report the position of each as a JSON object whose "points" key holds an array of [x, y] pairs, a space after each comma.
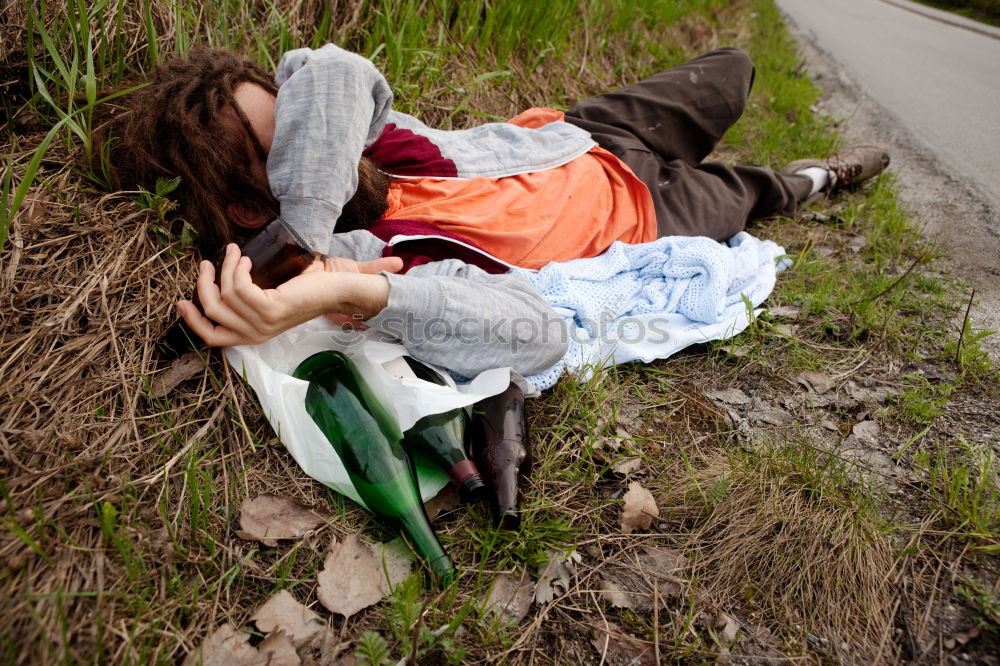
{"points": [[664, 126]]}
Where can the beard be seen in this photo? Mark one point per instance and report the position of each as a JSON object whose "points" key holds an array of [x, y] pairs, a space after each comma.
{"points": [[369, 202]]}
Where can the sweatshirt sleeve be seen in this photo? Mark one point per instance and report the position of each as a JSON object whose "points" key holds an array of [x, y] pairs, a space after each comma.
{"points": [[331, 105], [457, 316]]}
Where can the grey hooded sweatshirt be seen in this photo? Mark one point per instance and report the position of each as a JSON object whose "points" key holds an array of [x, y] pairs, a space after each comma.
{"points": [[331, 106]]}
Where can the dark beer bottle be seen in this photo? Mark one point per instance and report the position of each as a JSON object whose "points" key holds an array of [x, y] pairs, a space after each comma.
{"points": [[440, 438], [277, 254], [500, 448], [368, 441]]}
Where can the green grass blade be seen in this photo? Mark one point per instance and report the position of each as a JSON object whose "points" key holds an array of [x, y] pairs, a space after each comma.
{"points": [[90, 77], [36, 161], [50, 46], [66, 117], [152, 50], [40, 74], [118, 46], [21, 534]]}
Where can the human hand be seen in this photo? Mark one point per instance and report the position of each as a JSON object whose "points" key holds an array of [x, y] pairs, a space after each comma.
{"points": [[236, 311]]}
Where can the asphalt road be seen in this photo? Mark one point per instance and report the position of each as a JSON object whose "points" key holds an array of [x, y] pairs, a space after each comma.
{"points": [[926, 84], [938, 74]]}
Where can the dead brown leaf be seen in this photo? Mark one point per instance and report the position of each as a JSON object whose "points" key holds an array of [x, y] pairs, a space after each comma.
{"points": [[857, 244], [617, 647], [282, 612], [351, 578], [786, 330], [730, 396], [790, 311], [967, 636], [228, 647], [37, 211], [613, 594], [962, 638], [511, 596], [268, 518], [627, 466], [554, 578], [819, 382], [185, 367], [663, 561], [729, 626], [876, 395], [608, 443], [739, 351], [639, 510], [277, 650], [642, 581], [223, 647]]}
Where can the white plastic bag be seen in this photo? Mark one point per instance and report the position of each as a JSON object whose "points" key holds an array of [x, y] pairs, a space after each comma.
{"points": [[268, 368]]}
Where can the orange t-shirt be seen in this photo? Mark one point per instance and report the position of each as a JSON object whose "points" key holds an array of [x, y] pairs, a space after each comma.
{"points": [[575, 210]]}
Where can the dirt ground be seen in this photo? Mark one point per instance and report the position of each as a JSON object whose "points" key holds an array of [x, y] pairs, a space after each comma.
{"points": [[942, 202]]}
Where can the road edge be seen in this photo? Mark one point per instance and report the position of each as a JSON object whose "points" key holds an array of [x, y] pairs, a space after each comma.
{"points": [[935, 197], [947, 17]]}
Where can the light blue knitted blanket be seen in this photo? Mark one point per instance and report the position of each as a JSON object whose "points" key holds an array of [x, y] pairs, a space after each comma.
{"points": [[648, 301]]}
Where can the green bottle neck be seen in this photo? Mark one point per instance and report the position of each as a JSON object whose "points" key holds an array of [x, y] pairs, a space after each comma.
{"points": [[424, 542]]}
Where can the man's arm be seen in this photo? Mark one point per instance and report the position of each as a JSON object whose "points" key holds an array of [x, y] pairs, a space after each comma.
{"points": [[447, 313], [239, 312], [457, 316], [331, 105]]}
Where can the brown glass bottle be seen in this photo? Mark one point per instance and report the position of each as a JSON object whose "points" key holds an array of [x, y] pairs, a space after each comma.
{"points": [[500, 449], [277, 254]]}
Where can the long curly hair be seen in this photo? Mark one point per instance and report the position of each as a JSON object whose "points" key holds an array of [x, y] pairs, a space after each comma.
{"points": [[177, 126]]}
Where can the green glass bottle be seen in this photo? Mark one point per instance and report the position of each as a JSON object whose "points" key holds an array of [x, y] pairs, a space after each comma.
{"points": [[368, 441], [440, 438]]}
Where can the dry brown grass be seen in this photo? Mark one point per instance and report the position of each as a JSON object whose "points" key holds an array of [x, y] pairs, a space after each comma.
{"points": [[85, 296], [792, 550]]}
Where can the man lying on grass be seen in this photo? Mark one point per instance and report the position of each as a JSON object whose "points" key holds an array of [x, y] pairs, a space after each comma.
{"points": [[321, 147]]}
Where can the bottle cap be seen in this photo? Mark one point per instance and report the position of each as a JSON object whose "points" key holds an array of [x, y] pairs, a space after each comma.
{"points": [[472, 489], [471, 486]]}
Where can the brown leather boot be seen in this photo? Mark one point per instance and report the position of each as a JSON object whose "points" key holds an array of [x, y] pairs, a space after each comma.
{"points": [[848, 168]]}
